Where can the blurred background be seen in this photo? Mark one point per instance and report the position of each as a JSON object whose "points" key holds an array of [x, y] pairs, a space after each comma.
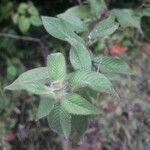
{"points": [[24, 44]]}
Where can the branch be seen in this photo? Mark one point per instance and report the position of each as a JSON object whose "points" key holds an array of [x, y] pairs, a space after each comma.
{"points": [[29, 39]]}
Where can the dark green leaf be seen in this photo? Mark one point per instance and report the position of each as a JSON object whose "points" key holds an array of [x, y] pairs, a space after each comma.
{"points": [[60, 121], [80, 124]]}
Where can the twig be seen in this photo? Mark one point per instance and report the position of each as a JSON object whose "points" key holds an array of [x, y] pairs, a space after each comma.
{"points": [[30, 39]]}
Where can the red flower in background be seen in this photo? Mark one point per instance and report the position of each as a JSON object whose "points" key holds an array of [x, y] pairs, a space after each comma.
{"points": [[9, 137], [117, 49]]}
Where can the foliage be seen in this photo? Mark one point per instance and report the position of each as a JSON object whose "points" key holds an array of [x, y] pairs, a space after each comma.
{"points": [[69, 93]]}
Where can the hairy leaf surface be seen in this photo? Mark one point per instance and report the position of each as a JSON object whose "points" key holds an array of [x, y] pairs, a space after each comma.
{"points": [[94, 80], [75, 104], [60, 120], [45, 107], [56, 66], [104, 28], [79, 55]]}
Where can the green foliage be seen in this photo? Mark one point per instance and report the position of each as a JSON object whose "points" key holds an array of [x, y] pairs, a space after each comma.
{"points": [[77, 105], [78, 52], [45, 107], [26, 15], [104, 28], [112, 65], [97, 7], [56, 67], [78, 26]]}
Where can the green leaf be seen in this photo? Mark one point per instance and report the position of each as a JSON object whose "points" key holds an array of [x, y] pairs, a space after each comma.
{"points": [[45, 107], [75, 104], [56, 66], [24, 24], [104, 28], [60, 121], [75, 23], [80, 124], [79, 55], [81, 11], [112, 65], [143, 12], [35, 20], [97, 7], [59, 28], [22, 8], [127, 18], [32, 80], [93, 80], [32, 10]]}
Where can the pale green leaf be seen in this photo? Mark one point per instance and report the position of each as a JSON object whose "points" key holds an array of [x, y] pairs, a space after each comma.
{"points": [[22, 8], [75, 104], [35, 20], [93, 80], [24, 24], [75, 23], [59, 120], [104, 28], [56, 66], [79, 55], [81, 11], [32, 80], [143, 12], [32, 10], [97, 7], [45, 107], [127, 18], [112, 65], [59, 28]]}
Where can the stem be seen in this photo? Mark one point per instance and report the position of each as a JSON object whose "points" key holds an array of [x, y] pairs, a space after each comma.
{"points": [[29, 39]]}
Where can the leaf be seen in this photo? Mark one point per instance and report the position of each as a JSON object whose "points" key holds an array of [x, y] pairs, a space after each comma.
{"points": [[59, 28], [97, 7], [143, 12], [22, 8], [94, 80], [79, 55], [59, 120], [80, 124], [75, 104], [56, 66], [32, 80], [75, 23], [35, 20], [32, 10], [24, 24], [81, 11], [112, 65], [45, 107], [127, 18], [104, 28]]}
